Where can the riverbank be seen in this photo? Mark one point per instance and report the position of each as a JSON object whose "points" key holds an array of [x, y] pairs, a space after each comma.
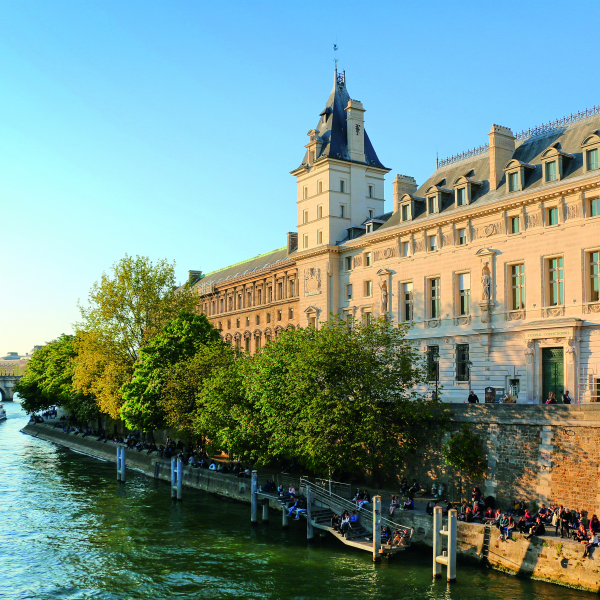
{"points": [[547, 559]]}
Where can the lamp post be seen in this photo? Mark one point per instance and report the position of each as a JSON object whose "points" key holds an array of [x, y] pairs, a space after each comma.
{"points": [[436, 362]]}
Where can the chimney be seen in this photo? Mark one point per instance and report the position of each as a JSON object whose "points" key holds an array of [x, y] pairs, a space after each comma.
{"points": [[502, 147], [292, 242], [355, 124], [403, 184], [194, 276]]}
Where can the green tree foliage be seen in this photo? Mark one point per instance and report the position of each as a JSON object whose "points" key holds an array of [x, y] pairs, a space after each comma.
{"points": [[464, 452], [126, 309], [339, 397], [169, 372], [48, 381]]}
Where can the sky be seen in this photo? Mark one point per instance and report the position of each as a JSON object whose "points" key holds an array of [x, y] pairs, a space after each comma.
{"points": [[169, 129]]}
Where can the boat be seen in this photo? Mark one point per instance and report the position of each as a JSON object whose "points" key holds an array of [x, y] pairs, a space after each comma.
{"points": [[2, 412]]}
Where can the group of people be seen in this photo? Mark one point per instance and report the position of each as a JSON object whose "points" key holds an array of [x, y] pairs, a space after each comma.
{"points": [[566, 398], [344, 522], [361, 498]]}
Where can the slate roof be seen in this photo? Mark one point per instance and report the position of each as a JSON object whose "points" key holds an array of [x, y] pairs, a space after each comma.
{"points": [[528, 151], [244, 267], [332, 127]]}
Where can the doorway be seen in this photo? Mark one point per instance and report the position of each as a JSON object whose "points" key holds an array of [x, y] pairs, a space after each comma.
{"points": [[552, 373]]}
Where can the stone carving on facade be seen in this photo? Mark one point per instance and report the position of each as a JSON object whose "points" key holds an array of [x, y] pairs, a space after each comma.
{"points": [[247, 335], [446, 240], [557, 311], [462, 320], [516, 315], [573, 211], [486, 313], [384, 296], [533, 221], [529, 352], [357, 260], [312, 281], [432, 323], [486, 283], [385, 253], [589, 309], [419, 246]]}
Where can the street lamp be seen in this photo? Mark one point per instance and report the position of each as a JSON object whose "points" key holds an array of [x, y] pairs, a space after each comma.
{"points": [[469, 365]]}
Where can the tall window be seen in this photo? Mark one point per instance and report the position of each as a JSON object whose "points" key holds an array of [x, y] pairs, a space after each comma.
{"points": [[594, 276], [249, 298], [305, 241], [556, 281], [594, 207], [319, 187], [268, 317], [279, 314], [370, 191], [432, 204], [461, 196], [259, 296], [319, 211], [551, 171], [319, 236], [258, 319], [435, 307], [464, 294], [280, 290], [407, 301], [305, 192], [462, 362], [290, 313], [405, 248], [247, 321], [305, 216], [367, 259], [342, 186], [433, 364], [247, 344], [371, 213], [591, 159], [514, 225], [368, 288], [432, 243], [292, 289], [349, 291], [553, 216], [342, 211], [237, 323], [513, 182], [348, 263], [405, 212], [461, 236], [517, 279]]}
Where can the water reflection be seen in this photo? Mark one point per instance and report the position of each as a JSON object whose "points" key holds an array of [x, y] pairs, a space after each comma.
{"points": [[70, 531]]}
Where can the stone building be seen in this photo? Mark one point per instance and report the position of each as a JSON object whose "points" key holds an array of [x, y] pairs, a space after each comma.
{"points": [[493, 261]]}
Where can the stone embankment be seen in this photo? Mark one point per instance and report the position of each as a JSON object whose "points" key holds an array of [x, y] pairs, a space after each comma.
{"points": [[548, 559]]}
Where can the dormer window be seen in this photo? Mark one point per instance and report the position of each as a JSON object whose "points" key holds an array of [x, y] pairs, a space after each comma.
{"points": [[516, 175], [463, 189], [554, 162], [405, 212], [409, 207], [432, 205], [369, 227], [591, 151]]}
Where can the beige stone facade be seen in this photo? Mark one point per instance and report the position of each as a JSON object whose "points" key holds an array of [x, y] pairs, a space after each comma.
{"points": [[493, 261]]}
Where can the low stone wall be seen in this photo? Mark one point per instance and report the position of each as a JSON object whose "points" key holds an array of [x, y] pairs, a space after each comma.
{"points": [[547, 558], [229, 486]]}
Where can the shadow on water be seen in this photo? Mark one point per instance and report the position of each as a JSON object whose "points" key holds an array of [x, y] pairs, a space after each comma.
{"points": [[69, 530]]}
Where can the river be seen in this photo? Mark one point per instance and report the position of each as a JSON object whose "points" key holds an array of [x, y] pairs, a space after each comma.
{"points": [[68, 530]]}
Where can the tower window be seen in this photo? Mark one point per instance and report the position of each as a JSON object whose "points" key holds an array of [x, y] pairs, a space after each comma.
{"points": [[305, 216], [342, 186], [320, 187], [371, 191], [319, 211], [342, 211], [320, 236], [305, 192], [371, 213]]}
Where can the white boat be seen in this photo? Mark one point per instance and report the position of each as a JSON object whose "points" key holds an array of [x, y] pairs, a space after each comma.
{"points": [[2, 412]]}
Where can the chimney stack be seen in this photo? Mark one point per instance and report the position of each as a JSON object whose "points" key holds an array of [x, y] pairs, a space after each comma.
{"points": [[292, 242], [502, 147], [355, 124], [403, 184]]}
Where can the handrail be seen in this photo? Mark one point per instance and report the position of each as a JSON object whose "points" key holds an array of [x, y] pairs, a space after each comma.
{"points": [[323, 495]]}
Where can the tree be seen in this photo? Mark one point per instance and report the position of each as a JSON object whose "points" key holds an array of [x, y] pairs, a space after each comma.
{"points": [[340, 397], [168, 358], [126, 310], [48, 381], [464, 452]]}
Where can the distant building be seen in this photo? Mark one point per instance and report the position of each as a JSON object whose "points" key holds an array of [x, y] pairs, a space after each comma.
{"points": [[494, 261]]}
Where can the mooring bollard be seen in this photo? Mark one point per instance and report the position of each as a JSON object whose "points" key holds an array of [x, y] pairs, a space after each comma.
{"points": [[253, 498], [309, 524], [437, 541], [284, 517], [173, 478], [120, 464], [179, 479], [265, 510], [448, 557], [376, 527]]}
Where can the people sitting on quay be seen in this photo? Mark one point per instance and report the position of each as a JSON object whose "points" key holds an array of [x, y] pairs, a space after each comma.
{"points": [[414, 488], [593, 542], [404, 486], [409, 504], [335, 522], [489, 515], [595, 525], [394, 504], [537, 529]]}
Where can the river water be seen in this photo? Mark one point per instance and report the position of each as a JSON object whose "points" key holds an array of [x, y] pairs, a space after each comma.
{"points": [[68, 530]]}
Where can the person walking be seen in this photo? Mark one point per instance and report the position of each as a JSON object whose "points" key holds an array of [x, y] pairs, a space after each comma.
{"points": [[473, 399]]}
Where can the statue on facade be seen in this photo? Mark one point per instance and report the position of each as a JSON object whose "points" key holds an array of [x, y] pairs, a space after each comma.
{"points": [[486, 283], [384, 296]]}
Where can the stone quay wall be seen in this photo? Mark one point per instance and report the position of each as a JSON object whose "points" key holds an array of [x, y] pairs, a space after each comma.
{"points": [[535, 453], [545, 558]]}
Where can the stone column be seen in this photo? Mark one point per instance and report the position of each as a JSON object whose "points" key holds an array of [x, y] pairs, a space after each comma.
{"points": [[530, 363]]}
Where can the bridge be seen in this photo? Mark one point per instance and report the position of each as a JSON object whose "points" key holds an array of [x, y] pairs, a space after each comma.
{"points": [[9, 375]]}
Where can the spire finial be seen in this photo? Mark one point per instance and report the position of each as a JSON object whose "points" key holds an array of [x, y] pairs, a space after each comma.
{"points": [[335, 60]]}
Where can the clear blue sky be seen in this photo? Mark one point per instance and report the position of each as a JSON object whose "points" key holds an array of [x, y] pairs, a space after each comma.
{"points": [[168, 129]]}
